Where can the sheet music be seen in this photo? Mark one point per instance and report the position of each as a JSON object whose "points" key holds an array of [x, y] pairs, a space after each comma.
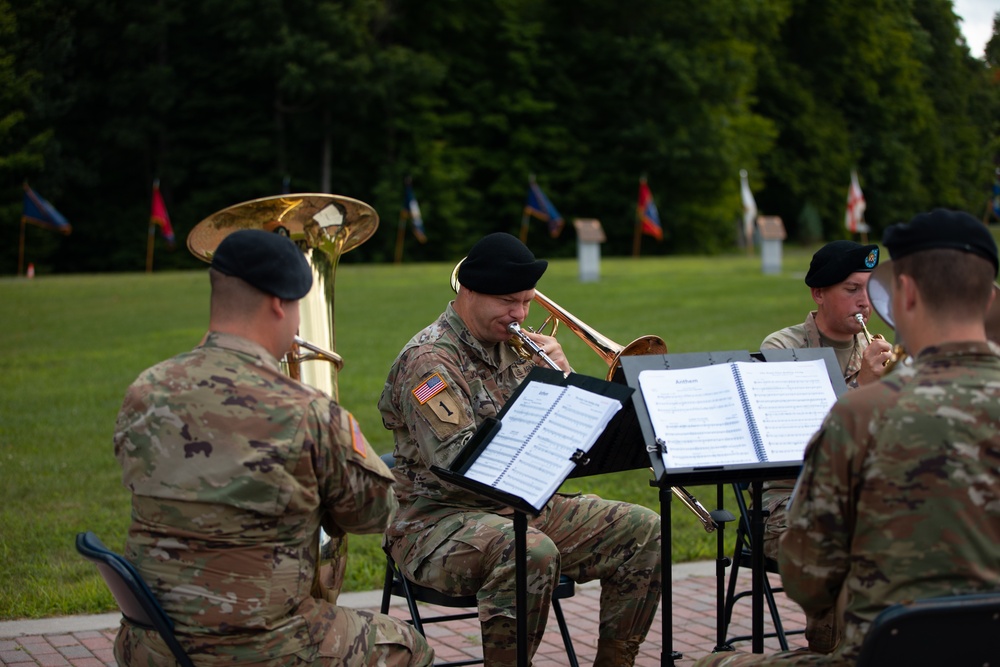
{"points": [[790, 400], [705, 416], [531, 454], [698, 414]]}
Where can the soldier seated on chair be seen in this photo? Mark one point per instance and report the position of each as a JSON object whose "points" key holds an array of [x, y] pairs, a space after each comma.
{"points": [[444, 383]]}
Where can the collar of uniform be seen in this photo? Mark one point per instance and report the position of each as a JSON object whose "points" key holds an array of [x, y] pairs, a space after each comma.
{"points": [[243, 345], [944, 351]]}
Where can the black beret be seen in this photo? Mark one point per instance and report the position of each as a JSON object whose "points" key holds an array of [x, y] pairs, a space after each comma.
{"points": [[270, 262], [835, 261], [500, 264], [941, 228]]}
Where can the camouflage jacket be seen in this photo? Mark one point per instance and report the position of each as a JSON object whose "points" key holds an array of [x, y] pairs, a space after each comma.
{"points": [[807, 335], [899, 497], [440, 388], [233, 467]]}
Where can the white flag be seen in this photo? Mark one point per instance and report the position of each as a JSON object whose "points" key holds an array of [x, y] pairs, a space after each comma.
{"points": [[749, 208], [855, 206]]}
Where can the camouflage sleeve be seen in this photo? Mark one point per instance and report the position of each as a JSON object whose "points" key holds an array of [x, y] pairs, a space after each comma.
{"points": [[436, 405], [355, 484], [815, 548]]}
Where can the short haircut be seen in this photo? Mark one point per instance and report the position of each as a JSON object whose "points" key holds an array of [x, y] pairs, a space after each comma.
{"points": [[952, 283]]}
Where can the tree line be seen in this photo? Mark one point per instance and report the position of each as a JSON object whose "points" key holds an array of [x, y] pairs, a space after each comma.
{"points": [[227, 100]]}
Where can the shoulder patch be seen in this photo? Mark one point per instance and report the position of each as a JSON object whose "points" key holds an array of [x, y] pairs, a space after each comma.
{"points": [[357, 438], [429, 388]]}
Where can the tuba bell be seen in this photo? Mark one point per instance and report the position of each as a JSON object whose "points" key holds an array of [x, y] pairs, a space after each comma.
{"points": [[324, 227]]}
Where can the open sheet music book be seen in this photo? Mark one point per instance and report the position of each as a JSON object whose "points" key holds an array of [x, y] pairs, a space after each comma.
{"points": [[736, 413], [548, 425]]}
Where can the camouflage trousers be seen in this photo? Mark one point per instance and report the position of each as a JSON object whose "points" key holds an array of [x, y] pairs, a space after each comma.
{"points": [[583, 537], [356, 638], [782, 659], [823, 632]]}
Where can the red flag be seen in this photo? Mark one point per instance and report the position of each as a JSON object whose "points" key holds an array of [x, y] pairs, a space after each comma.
{"points": [[646, 210], [855, 212], [159, 215]]}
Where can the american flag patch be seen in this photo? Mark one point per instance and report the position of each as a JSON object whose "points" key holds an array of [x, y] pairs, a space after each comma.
{"points": [[430, 388]]}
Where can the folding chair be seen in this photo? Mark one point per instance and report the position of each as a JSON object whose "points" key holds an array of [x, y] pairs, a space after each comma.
{"points": [[743, 557], [136, 602], [397, 584], [956, 630]]}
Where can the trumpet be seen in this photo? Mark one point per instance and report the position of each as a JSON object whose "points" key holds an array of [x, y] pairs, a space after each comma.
{"points": [[897, 354], [610, 351]]}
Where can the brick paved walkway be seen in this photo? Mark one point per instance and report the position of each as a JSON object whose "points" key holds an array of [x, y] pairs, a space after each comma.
{"points": [[87, 641]]}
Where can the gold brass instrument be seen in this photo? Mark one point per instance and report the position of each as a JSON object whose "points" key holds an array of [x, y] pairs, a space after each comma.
{"points": [[324, 227], [610, 351], [897, 353]]}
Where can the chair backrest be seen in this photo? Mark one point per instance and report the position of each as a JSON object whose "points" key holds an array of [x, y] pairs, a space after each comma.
{"points": [[955, 630], [134, 598]]}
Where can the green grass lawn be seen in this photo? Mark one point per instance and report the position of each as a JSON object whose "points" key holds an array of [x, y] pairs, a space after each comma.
{"points": [[70, 345]]}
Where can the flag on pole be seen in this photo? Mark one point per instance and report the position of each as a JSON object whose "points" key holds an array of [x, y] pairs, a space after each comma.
{"points": [[411, 209], [539, 206], [159, 216], [648, 215], [749, 208], [39, 212], [855, 213]]}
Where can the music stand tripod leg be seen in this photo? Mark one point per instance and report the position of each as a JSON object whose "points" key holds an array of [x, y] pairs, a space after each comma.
{"points": [[521, 583]]}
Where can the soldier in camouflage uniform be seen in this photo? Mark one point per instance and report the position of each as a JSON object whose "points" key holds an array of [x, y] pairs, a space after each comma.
{"points": [[445, 382], [233, 468], [899, 498], [837, 279]]}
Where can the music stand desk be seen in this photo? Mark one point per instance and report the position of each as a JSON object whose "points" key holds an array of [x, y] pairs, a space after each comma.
{"points": [[665, 479]]}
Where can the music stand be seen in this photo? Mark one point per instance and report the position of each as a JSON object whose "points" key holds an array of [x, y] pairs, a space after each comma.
{"points": [[454, 473], [748, 472]]}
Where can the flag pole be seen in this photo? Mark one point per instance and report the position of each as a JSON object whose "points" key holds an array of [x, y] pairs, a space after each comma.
{"points": [[637, 235], [149, 248], [400, 233], [20, 251], [524, 227]]}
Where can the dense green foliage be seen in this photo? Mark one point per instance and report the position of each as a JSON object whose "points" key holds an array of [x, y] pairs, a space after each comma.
{"points": [[223, 100]]}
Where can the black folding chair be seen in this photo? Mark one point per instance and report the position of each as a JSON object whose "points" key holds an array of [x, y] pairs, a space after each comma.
{"points": [[957, 631], [743, 557], [136, 602], [397, 584]]}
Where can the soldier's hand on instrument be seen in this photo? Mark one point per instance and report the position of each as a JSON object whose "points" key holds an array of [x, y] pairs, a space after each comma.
{"points": [[551, 347], [873, 360]]}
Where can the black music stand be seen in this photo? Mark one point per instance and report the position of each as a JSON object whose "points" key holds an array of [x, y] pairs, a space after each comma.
{"points": [[749, 472], [603, 449]]}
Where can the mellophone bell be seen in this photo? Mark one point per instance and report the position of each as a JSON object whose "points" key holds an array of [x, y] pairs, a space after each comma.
{"points": [[324, 227], [880, 296]]}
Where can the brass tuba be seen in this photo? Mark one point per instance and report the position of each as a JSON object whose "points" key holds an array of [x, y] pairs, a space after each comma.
{"points": [[610, 351], [324, 227]]}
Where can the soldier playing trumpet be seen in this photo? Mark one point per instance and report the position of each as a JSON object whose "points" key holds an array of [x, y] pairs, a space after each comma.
{"points": [[837, 280]]}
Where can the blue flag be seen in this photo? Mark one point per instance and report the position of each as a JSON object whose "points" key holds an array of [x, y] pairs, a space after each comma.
{"points": [[411, 209], [539, 206], [39, 212]]}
